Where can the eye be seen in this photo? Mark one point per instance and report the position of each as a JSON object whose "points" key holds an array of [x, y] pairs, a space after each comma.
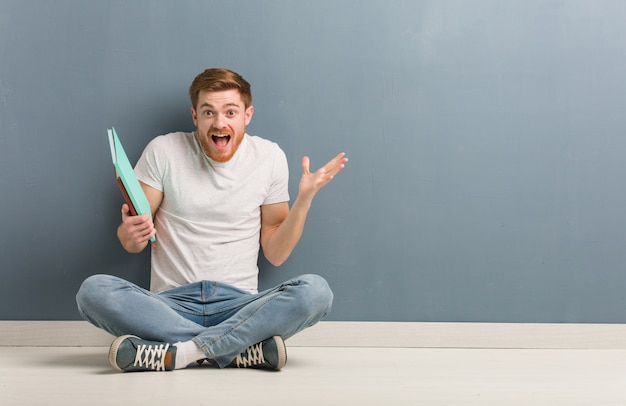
{"points": [[231, 113], [207, 113]]}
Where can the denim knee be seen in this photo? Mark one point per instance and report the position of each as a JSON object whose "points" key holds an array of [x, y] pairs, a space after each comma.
{"points": [[316, 297], [93, 291]]}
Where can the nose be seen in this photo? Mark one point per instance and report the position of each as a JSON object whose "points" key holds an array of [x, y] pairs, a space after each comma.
{"points": [[219, 121]]}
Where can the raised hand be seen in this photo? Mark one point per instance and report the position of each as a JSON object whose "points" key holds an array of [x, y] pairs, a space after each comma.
{"points": [[311, 183]]}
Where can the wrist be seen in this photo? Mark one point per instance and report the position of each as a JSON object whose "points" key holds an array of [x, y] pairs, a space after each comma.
{"points": [[302, 203]]}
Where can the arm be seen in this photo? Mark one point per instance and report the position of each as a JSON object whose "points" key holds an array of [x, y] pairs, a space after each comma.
{"points": [[135, 231], [282, 228]]}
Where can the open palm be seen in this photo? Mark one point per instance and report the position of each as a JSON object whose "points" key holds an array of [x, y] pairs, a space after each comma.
{"points": [[311, 183]]}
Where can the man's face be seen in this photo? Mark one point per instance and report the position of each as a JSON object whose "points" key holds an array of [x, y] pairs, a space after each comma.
{"points": [[221, 119]]}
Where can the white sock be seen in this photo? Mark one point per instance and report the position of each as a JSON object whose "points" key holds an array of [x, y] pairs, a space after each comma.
{"points": [[186, 353]]}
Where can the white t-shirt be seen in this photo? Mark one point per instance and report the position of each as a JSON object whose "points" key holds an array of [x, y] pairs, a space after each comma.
{"points": [[208, 225]]}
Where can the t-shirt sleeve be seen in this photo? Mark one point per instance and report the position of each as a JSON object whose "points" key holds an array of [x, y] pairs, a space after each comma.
{"points": [[279, 185], [149, 166]]}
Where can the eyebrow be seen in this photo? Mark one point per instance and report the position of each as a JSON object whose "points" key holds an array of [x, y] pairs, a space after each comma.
{"points": [[226, 105]]}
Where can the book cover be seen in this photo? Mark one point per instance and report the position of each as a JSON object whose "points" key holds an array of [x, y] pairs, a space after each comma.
{"points": [[126, 178]]}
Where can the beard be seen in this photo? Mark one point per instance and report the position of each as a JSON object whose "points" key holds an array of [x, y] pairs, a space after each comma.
{"points": [[210, 142]]}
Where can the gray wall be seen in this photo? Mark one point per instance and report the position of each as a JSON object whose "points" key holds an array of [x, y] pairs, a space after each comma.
{"points": [[486, 140]]}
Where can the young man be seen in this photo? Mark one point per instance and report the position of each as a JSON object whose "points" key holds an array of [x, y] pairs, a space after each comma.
{"points": [[216, 195]]}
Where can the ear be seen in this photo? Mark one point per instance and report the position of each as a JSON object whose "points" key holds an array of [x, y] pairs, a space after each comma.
{"points": [[194, 116], [249, 113]]}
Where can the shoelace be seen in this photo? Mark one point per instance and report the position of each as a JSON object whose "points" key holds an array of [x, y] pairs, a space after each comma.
{"points": [[151, 356], [251, 357]]}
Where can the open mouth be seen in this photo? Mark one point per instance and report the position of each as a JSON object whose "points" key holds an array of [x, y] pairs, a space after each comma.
{"points": [[220, 140]]}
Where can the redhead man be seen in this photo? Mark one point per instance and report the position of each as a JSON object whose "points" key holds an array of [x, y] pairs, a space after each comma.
{"points": [[217, 196]]}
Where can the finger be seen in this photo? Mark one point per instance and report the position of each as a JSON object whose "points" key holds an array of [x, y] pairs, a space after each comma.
{"points": [[139, 225], [339, 160], [143, 232], [147, 234], [339, 156], [146, 222], [305, 165], [336, 164]]}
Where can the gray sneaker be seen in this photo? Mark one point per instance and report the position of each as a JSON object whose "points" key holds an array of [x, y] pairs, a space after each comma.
{"points": [[132, 354], [268, 354]]}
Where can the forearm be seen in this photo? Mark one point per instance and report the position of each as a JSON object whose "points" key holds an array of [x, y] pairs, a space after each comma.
{"points": [[281, 241], [282, 229]]}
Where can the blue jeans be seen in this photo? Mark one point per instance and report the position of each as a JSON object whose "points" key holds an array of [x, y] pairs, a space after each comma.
{"points": [[221, 319]]}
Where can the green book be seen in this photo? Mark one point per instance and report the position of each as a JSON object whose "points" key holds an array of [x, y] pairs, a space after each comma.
{"points": [[126, 178]]}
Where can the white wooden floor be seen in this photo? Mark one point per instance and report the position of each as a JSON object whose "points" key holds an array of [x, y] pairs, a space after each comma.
{"points": [[325, 376]]}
